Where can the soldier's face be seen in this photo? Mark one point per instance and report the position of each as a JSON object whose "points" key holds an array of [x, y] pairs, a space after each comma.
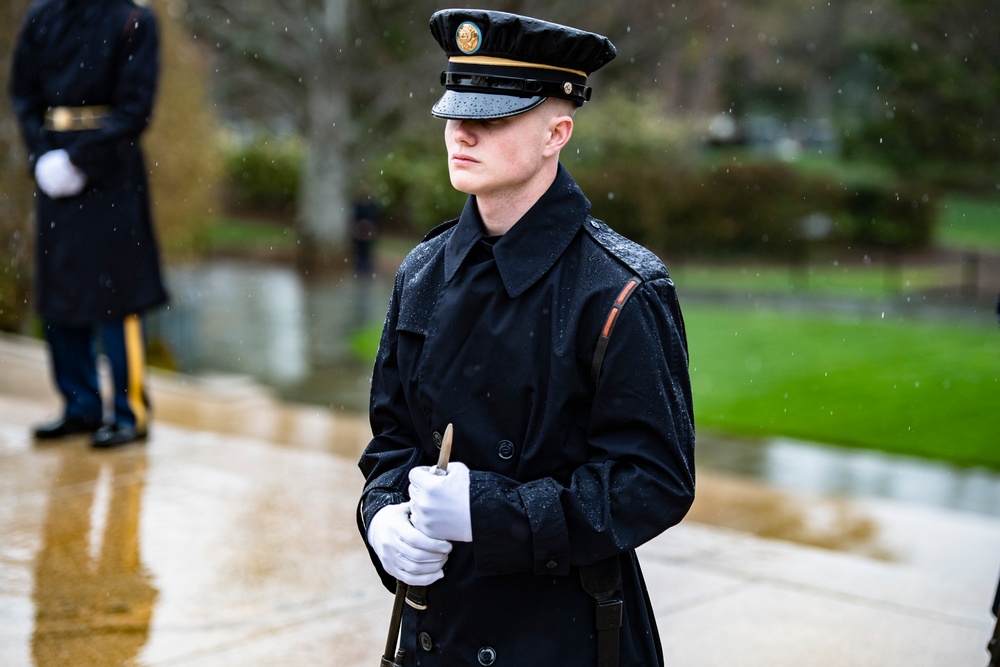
{"points": [[501, 156]]}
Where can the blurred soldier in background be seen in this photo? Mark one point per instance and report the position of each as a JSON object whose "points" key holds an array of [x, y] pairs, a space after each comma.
{"points": [[83, 83], [364, 227]]}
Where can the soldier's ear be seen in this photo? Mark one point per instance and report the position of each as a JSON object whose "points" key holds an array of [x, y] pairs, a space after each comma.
{"points": [[560, 130]]}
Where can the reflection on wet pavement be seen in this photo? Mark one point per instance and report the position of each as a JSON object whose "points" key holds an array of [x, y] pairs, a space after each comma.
{"points": [[93, 597], [233, 526], [186, 550]]}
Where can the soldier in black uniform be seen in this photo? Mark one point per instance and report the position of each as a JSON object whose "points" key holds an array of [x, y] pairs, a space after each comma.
{"points": [[82, 86], [556, 348]]}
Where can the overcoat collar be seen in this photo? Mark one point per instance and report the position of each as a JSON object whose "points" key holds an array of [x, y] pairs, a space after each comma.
{"points": [[533, 244]]}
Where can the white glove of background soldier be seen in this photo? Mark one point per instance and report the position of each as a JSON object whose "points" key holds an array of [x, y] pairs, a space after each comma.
{"points": [[57, 176], [405, 552], [439, 504]]}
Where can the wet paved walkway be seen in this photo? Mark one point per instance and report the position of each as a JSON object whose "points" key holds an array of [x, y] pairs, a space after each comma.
{"points": [[229, 539]]}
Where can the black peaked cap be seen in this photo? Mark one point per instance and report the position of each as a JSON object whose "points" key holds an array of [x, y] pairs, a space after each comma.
{"points": [[502, 64]]}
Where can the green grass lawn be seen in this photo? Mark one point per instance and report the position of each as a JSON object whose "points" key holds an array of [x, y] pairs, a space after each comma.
{"points": [[246, 235], [851, 281], [907, 387], [969, 223]]}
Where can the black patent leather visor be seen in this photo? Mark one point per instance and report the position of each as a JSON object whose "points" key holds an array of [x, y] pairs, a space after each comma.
{"points": [[459, 105]]}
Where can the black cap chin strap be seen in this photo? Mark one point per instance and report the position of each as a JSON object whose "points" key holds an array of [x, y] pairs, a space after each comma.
{"points": [[513, 85]]}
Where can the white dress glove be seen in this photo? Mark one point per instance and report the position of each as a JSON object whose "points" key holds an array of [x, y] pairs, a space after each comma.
{"points": [[405, 552], [57, 176], [439, 504]]}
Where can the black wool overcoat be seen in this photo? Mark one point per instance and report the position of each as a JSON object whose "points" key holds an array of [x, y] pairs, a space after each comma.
{"points": [[96, 253], [499, 339]]}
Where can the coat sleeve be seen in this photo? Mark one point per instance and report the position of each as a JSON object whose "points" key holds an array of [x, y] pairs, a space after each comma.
{"points": [[26, 94], [137, 66], [638, 479], [393, 451]]}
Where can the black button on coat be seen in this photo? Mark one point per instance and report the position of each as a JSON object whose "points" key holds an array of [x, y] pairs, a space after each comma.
{"points": [[498, 339], [97, 258]]}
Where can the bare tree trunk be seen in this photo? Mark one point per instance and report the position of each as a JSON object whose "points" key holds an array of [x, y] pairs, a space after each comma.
{"points": [[324, 194], [324, 197]]}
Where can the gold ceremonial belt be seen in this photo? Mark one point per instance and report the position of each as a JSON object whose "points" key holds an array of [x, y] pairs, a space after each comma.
{"points": [[72, 119]]}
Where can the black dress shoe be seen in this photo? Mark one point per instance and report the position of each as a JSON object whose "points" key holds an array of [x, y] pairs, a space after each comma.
{"points": [[66, 426], [115, 435]]}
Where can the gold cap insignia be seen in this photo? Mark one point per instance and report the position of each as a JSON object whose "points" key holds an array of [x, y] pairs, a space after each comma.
{"points": [[567, 87], [468, 37]]}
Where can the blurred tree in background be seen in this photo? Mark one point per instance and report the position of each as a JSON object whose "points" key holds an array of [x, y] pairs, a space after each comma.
{"points": [[181, 143], [318, 96], [16, 190], [321, 68], [934, 107], [356, 79]]}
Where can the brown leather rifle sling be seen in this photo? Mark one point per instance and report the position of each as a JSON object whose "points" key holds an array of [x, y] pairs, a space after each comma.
{"points": [[603, 580]]}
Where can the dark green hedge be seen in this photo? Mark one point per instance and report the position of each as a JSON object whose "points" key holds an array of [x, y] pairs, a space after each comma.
{"points": [[648, 179], [651, 177], [895, 217], [766, 209], [263, 173], [412, 185]]}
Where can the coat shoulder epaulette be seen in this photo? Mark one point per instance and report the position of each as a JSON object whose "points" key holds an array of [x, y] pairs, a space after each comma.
{"points": [[642, 261], [428, 246], [36, 9], [144, 6], [440, 229]]}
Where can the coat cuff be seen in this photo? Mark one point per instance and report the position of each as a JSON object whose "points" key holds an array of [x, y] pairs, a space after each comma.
{"points": [[550, 536], [371, 503], [368, 506]]}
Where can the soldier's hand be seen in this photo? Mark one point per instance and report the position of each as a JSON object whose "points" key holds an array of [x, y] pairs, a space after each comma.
{"points": [[57, 176], [439, 504], [405, 552]]}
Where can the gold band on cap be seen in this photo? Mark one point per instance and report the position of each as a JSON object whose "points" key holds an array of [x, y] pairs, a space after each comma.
{"points": [[505, 62]]}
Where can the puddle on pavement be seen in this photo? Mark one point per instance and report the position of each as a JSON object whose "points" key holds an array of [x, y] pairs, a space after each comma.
{"points": [[806, 467], [269, 323]]}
